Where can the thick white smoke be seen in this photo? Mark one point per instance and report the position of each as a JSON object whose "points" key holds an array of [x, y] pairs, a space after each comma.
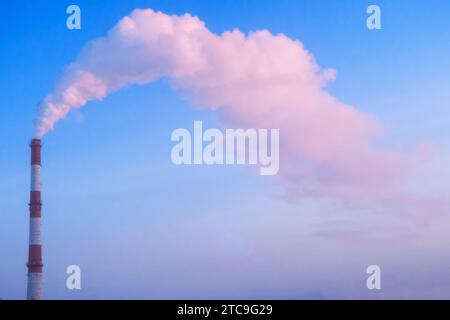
{"points": [[260, 80], [216, 71]]}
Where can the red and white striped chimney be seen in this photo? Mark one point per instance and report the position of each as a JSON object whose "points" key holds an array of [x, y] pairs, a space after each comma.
{"points": [[34, 289]]}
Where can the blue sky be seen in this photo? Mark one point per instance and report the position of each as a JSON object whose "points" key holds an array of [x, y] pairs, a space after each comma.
{"points": [[140, 227]]}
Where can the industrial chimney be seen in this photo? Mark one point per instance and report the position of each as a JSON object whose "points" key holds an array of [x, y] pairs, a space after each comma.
{"points": [[34, 289]]}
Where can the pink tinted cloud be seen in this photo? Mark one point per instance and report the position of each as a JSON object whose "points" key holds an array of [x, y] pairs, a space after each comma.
{"points": [[258, 80]]}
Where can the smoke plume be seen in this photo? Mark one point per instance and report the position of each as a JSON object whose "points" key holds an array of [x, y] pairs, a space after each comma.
{"points": [[258, 80]]}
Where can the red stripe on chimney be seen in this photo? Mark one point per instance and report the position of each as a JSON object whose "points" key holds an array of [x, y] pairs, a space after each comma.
{"points": [[34, 258]]}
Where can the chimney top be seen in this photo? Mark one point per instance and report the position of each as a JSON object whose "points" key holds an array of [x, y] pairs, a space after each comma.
{"points": [[35, 142]]}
